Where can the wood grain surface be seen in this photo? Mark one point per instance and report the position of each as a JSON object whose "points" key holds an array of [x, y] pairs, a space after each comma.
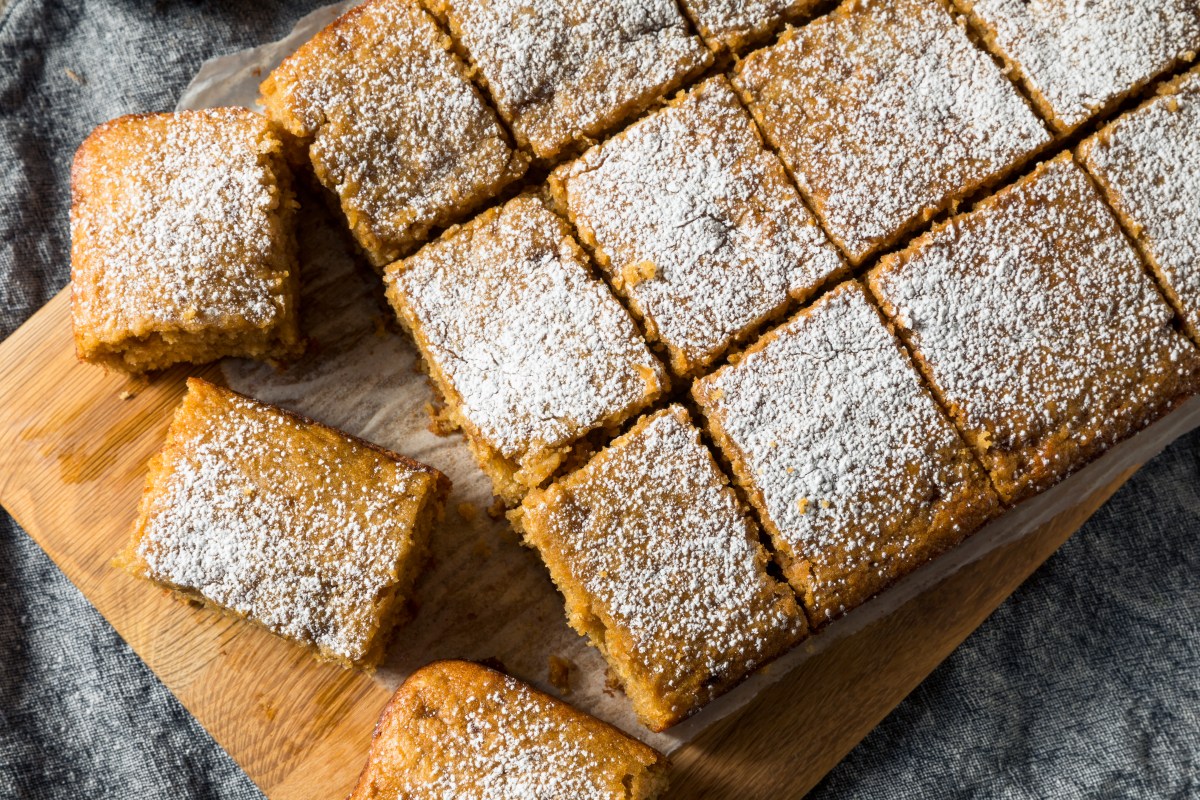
{"points": [[74, 442]]}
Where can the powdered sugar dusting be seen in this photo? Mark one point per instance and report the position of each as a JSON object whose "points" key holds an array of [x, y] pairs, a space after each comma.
{"points": [[560, 70], [497, 739], [301, 531], [692, 192], [396, 129], [730, 24], [172, 226], [1149, 164], [885, 112], [1038, 324], [654, 536], [537, 349], [1080, 55], [846, 455]]}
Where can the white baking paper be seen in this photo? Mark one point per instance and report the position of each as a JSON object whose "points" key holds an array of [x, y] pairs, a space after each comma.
{"points": [[483, 595]]}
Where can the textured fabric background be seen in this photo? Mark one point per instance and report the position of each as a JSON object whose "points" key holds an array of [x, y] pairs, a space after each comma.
{"points": [[1085, 684]]}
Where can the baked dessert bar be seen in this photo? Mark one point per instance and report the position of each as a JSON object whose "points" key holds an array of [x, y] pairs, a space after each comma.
{"points": [[560, 71], [528, 349], [182, 241], [886, 113], [392, 125], [696, 224], [1148, 164], [730, 26], [1077, 59], [313, 534], [1038, 327], [459, 730], [857, 475], [661, 569]]}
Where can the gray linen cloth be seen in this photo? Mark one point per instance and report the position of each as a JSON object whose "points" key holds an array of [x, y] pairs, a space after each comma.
{"points": [[1086, 683]]}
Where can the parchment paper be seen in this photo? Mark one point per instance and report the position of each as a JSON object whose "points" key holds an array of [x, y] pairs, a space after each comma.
{"points": [[483, 595]]}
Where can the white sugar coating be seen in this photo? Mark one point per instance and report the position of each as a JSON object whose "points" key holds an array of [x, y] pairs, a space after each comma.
{"points": [[490, 737], [692, 191], [301, 532], [173, 225], [841, 447], [653, 535], [885, 112], [1149, 164], [729, 24], [397, 131], [538, 351], [1036, 320], [560, 70], [1078, 56]]}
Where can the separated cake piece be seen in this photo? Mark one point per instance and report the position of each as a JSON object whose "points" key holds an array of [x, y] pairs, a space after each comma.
{"points": [[733, 25], [1039, 328], [561, 71], [697, 224], [1148, 163], [886, 113], [183, 241], [1076, 58], [529, 350], [392, 125], [856, 473], [459, 730], [661, 569], [312, 533]]}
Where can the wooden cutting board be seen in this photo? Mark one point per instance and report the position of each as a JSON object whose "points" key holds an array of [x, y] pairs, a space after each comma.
{"points": [[73, 449]]}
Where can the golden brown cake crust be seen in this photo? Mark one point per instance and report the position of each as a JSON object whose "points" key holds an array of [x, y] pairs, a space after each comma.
{"points": [[458, 729], [183, 241], [857, 475], [874, 155], [311, 533], [731, 26], [661, 569], [392, 125], [1038, 327], [529, 350]]}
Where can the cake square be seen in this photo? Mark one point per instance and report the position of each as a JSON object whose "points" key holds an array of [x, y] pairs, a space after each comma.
{"points": [[392, 125], [730, 26], [1148, 164], [305, 530], [183, 243], [1038, 327], [528, 349], [857, 475], [886, 114], [456, 729], [562, 72], [661, 569], [696, 224], [1077, 59]]}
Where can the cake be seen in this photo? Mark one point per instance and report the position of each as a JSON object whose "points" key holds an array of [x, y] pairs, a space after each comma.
{"points": [[661, 569], [696, 224], [1038, 327], [391, 125], [1078, 59], [562, 72], [855, 472], [528, 349], [307, 531], [459, 730], [183, 241], [730, 26], [886, 114], [1148, 164]]}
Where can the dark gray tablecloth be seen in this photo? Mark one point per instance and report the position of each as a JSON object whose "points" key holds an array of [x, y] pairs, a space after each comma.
{"points": [[1085, 684]]}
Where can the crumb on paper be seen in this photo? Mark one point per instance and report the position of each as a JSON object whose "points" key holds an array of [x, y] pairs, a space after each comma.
{"points": [[75, 77], [439, 422], [481, 550], [612, 683], [496, 510], [467, 511], [559, 670], [381, 326]]}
